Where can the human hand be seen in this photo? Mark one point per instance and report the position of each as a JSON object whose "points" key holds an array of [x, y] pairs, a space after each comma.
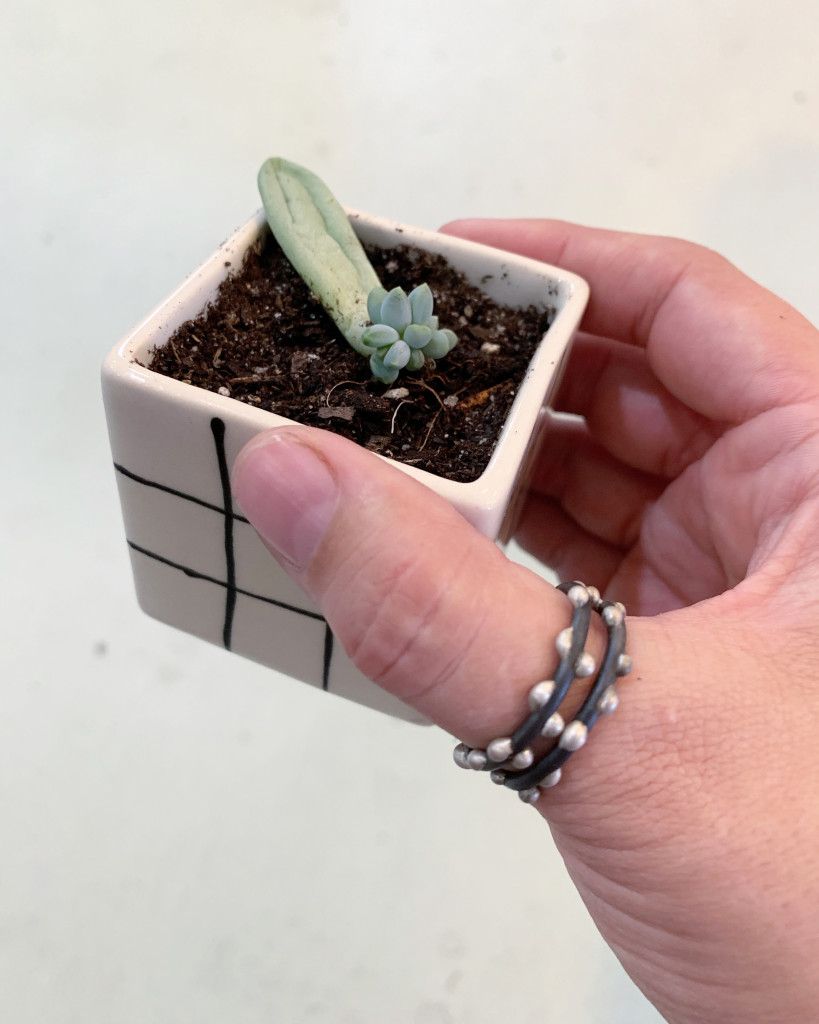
{"points": [[690, 492]]}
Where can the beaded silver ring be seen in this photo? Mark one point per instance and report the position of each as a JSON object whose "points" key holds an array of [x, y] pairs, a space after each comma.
{"points": [[511, 760]]}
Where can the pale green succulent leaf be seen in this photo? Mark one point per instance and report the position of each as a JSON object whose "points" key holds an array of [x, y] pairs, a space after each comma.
{"points": [[381, 372], [379, 335], [397, 356], [438, 346], [315, 234], [396, 310], [416, 360], [417, 336], [451, 337], [374, 300], [421, 302]]}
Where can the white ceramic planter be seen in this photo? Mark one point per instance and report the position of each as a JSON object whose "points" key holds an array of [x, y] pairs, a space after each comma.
{"points": [[197, 563]]}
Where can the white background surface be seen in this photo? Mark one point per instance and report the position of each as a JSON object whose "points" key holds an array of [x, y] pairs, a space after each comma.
{"points": [[186, 837]]}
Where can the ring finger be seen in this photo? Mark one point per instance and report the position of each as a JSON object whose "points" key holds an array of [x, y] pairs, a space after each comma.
{"points": [[604, 496]]}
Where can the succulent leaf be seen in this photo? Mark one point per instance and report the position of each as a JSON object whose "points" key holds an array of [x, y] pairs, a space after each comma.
{"points": [[380, 372], [451, 337], [374, 300], [316, 235], [416, 360], [397, 356], [417, 335], [396, 310], [421, 303], [438, 346], [379, 335]]}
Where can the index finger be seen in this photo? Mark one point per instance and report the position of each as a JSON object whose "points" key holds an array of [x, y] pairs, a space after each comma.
{"points": [[717, 341]]}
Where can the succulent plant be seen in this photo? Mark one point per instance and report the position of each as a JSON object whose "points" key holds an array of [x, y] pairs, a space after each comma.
{"points": [[394, 330], [404, 331]]}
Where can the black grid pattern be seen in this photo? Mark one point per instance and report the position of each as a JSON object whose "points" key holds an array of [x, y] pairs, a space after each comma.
{"points": [[232, 589]]}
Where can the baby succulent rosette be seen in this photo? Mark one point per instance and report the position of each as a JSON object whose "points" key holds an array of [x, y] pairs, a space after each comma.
{"points": [[404, 332]]}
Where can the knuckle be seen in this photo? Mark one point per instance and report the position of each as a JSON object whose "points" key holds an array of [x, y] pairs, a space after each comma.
{"points": [[677, 456], [412, 633], [376, 638]]}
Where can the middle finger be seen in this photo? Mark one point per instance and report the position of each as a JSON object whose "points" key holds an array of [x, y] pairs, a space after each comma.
{"points": [[628, 411]]}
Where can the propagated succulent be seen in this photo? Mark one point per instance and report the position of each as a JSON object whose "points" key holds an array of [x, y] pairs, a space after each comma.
{"points": [[404, 332], [392, 329]]}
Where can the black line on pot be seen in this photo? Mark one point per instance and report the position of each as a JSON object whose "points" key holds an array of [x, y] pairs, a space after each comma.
{"points": [[217, 427], [195, 574], [171, 490], [328, 657]]}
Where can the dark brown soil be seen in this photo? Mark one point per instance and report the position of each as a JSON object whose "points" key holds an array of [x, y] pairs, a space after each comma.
{"points": [[267, 342]]}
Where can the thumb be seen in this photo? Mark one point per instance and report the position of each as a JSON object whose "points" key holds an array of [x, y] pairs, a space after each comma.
{"points": [[424, 604]]}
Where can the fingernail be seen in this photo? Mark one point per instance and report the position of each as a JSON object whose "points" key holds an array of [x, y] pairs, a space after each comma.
{"points": [[289, 495]]}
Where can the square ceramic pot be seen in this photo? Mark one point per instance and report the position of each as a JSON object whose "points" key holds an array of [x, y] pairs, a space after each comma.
{"points": [[197, 563]]}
